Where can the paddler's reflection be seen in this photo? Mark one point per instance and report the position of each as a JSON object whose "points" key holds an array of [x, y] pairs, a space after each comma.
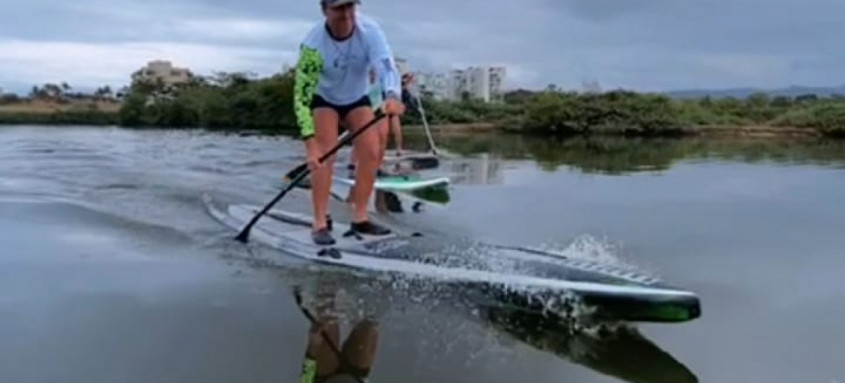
{"points": [[326, 359]]}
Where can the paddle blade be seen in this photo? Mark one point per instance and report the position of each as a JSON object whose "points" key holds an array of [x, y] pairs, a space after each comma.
{"points": [[243, 236]]}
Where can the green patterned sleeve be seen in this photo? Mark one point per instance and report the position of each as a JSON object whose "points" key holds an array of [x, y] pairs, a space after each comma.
{"points": [[308, 71], [309, 371]]}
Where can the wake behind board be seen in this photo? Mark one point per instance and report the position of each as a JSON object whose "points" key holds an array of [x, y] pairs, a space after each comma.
{"points": [[507, 275]]}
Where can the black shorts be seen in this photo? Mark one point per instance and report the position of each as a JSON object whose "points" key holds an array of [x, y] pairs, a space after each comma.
{"points": [[342, 110]]}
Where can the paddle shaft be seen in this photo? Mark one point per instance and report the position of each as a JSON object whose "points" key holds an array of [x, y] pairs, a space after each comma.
{"points": [[425, 125], [303, 171]]}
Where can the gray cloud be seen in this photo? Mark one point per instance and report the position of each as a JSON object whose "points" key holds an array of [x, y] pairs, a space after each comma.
{"points": [[640, 44]]}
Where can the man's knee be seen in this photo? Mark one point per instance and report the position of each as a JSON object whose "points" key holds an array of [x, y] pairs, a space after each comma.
{"points": [[324, 147], [368, 150]]}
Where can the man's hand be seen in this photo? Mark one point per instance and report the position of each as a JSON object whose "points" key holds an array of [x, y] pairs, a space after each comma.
{"points": [[312, 156], [392, 106], [313, 162]]}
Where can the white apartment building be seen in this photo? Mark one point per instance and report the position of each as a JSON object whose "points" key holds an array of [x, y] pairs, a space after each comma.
{"points": [[434, 84], [484, 83], [164, 71], [498, 75]]}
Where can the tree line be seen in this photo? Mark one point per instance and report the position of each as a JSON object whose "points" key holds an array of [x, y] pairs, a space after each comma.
{"points": [[242, 101]]}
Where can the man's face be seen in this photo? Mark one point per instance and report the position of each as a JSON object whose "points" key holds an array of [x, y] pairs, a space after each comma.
{"points": [[342, 15]]}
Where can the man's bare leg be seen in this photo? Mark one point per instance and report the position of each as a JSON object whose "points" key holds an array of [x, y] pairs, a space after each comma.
{"points": [[384, 136], [325, 122], [367, 148], [396, 129]]}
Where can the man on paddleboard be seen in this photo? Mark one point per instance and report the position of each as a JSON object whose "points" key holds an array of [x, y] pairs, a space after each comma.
{"points": [[331, 86], [407, 101]]}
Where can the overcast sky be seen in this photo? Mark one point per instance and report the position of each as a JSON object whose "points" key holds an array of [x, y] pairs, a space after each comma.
{"points": [[636, 44]]}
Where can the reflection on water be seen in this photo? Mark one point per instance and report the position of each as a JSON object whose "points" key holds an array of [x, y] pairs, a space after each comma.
{"points": [[337, 306], [617, 350], [481, 169], [617, 155], [326, 358]]}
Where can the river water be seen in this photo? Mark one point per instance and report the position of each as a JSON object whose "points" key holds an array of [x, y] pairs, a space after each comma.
{"points": [[111, 270]]}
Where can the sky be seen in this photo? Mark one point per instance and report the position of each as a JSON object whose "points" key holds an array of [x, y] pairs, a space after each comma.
{"points": [[643, 45]]}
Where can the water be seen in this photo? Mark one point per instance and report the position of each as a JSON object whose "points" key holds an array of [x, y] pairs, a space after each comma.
{"points": [[111, 270]]}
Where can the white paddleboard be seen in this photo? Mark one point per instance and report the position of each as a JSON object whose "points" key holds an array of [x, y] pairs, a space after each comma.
{"points": [[290, 233]]}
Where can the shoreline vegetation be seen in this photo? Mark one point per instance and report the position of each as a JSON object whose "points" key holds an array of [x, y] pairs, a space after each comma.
{"points": [[243, 102]]}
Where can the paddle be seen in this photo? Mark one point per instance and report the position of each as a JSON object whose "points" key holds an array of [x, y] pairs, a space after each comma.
{"points": [[425, 124], [301, 171]]}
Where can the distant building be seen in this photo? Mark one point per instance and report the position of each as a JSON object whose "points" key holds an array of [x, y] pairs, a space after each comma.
{"points": [[498, 75], [485, 83], [164, 71], [478, 83], [458, 84], [435, 85]]}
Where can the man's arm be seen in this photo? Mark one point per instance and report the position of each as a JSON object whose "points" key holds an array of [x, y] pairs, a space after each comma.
{"points": [[308, 70], [382, 60], [308, 372]]}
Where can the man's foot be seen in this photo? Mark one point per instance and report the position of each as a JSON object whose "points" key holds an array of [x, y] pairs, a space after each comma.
{"points": [[369, 228], [322, 237]]}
